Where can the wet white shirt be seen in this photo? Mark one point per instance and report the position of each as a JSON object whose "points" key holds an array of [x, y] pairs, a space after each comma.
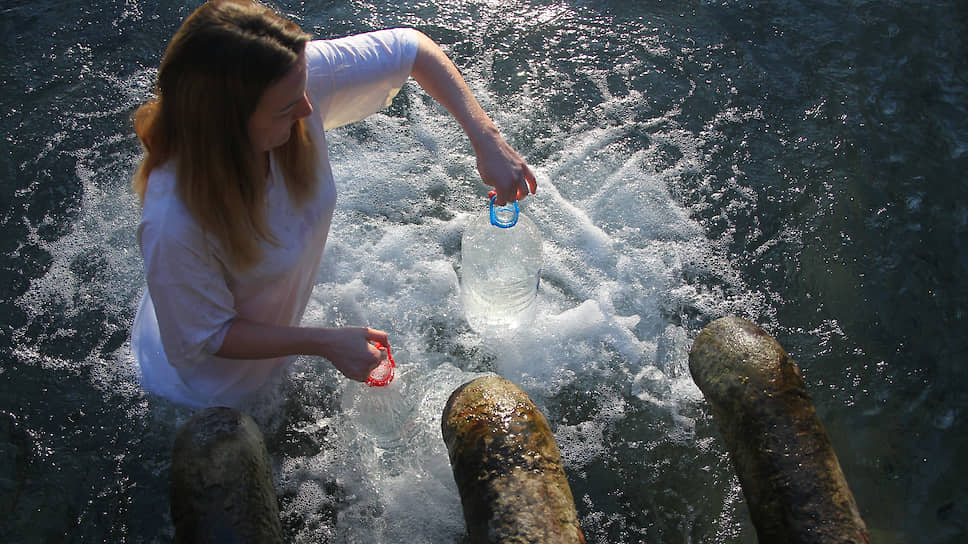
{"points": [[194, 292]]}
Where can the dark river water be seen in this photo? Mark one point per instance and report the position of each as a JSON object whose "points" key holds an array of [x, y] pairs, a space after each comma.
{"points": [[801, 164]]}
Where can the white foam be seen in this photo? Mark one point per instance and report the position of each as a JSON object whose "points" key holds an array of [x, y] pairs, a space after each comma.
{"points": [[614, 275], [614, 302]]}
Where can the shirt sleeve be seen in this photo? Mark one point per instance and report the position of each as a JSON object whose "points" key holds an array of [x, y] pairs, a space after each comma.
{"points": [[186, 283], [353, 77]]}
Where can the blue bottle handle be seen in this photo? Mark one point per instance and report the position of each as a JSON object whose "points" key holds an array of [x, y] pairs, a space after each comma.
{"points": [[501, 215]]}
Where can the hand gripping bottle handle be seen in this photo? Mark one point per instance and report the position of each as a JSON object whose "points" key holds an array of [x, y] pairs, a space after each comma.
{"points": [[383, 374], [505, 216]]}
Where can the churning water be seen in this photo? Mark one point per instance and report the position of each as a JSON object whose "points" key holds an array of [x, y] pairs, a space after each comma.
{"points": [[799, 163]]}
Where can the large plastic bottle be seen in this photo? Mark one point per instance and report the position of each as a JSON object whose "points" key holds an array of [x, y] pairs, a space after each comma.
{"points": [[500, 270]]}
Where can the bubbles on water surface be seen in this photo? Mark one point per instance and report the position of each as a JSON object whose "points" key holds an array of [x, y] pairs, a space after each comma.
{"points": [[604, 358], [627, 276], [624, 281], [364, 480]]}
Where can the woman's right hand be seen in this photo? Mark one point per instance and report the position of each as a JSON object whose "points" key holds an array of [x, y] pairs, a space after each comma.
{"points": [[351, 350]]}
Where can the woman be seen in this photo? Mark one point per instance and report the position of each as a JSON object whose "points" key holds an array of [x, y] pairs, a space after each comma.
{"points": [[238, 195]]}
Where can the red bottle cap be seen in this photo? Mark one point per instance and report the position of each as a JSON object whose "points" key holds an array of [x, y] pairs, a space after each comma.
{"points": [[383, 374]]}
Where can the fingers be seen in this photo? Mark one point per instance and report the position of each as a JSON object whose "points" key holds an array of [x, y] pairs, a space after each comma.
{"points": [[502, 167], [520, 186], [377, 355], [517, 191], [502, 200], [353, 352], [531, 179], [527, 184], [374, 335]]}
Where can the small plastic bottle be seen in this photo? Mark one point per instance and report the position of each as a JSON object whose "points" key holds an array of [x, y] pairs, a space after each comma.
{"points": [[382, 408], [500, 270]]}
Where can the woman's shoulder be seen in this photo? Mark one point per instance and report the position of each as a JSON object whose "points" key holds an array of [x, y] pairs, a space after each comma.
{"points": [[161, 182], [161, 197], [333, 51], [355, 76], [164, 218]]}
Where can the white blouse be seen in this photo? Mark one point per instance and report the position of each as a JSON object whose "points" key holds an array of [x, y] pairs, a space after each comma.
{"points": [[193, 292]]}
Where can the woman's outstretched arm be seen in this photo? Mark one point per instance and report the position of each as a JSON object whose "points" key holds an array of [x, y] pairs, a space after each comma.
{"points": [[499, 165], [347, 348]]}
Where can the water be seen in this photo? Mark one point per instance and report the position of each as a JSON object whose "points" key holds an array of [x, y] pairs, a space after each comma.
{"points": [[797, 163], [500, 272], [385, 414]]}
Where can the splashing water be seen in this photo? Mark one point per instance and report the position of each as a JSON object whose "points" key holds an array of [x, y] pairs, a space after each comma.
{"points": [[693, 161]]}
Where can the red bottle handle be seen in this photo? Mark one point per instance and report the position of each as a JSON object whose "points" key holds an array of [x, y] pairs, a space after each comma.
{"points": [[380, 382]]}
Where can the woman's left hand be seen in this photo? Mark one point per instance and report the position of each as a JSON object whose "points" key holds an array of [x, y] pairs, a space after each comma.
{"points": [[502, 167], [499, 165]]}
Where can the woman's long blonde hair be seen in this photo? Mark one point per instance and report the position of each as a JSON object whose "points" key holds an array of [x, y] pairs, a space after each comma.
{"points": [[213, 74]]}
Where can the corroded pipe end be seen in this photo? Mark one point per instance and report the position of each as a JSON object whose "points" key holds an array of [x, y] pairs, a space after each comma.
{"points": [[787, 467], [221, 481], [507, 466], [732, 356]]}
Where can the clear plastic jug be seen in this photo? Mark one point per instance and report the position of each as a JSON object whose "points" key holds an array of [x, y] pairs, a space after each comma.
{"points": [[382, 408], [500, 270]]}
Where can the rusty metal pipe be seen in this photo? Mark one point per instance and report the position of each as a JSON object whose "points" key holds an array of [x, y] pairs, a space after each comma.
{"points": [[507, 466], [221, 481], [792, 481]]}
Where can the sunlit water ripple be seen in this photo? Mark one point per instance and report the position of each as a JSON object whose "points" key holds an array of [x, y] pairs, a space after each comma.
{"points": [[797, 163]]}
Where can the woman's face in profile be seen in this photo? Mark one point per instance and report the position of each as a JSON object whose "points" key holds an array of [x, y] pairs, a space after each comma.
{"points": [[281, 105]]}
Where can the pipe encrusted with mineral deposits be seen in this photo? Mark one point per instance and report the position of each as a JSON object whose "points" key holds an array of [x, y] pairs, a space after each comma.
{"points": [[792, 481], [221, 481], [507, 466]]}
